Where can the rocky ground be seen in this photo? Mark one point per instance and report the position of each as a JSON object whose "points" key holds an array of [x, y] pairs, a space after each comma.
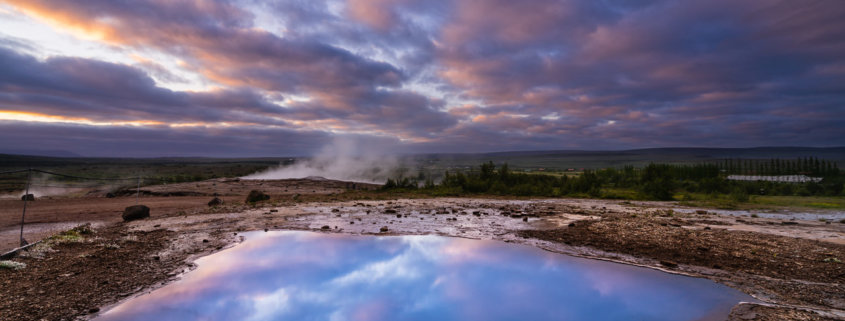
{"points": [[795, 267]]}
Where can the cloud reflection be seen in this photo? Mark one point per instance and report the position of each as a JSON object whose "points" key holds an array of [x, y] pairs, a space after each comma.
{"points": [[316, 276]]}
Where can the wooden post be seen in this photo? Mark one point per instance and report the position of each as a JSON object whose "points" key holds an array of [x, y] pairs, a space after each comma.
{"points": [[25, 200], [138, 191]]}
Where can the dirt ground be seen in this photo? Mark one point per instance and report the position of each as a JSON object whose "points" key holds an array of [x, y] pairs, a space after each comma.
{"points": [[793, 267]]}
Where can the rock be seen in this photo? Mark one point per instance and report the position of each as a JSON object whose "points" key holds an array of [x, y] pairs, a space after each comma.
{"points": [[525, 219], [28, 197], [390, 211], [215, 202], [325, 227], [383, 229], [93, 310], [136, 212], [788, 223], [669, 264], [571, 224], [256, 196], [398, 215], [110, 195]]}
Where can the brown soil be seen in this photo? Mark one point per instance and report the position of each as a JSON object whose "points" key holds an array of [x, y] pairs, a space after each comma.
{"points": [[76, 278], [755, 253]]}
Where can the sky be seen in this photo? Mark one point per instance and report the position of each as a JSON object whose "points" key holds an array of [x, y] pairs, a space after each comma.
{"points": [[247, 78]]}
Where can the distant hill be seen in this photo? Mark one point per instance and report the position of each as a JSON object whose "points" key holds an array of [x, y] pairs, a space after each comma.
{"points": [[35, 152]]}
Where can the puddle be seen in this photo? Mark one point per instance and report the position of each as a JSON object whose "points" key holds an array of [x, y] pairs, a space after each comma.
{"points": [[294, 275], [788, 215]]}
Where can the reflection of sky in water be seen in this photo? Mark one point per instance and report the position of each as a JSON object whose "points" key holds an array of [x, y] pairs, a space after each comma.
{"points": [[316, 276]]}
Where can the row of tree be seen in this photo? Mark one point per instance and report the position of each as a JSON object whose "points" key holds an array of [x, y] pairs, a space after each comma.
{"points": [[811, 166], [655, 181]]}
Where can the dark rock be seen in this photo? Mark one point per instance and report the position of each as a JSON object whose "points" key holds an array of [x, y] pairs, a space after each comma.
{"points": [[325, 227], [390, 211], [571, 224], [136, 212], [110, 195], [525, 219], [205, 241], [274, 211], [398, 215], [789, 223], [669, 264], [256, 196], [215, 202], [383, 229], [28, 197], [93, 310]]}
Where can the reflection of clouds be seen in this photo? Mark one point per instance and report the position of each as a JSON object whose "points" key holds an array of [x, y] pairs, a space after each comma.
{"points": [[265, 307], [315, 276]]}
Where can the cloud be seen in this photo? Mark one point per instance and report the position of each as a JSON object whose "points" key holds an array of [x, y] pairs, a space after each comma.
{"points": [[452, 75]]}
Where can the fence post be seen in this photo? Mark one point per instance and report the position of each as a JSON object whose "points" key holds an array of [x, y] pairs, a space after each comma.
{"points": [[138, 192], [25, 200]]}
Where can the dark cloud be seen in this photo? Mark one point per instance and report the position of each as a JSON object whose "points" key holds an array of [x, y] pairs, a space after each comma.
{"points": [[467, 75]]}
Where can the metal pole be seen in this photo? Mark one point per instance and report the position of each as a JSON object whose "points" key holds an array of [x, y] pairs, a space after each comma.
{"points": [[25, 200], [138, 193]]}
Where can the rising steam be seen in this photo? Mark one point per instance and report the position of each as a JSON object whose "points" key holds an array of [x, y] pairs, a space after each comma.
{"points": [[346, 160]]}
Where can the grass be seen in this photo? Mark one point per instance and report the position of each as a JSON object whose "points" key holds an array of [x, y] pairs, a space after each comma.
{"points": [[74, 235], [12, 265], [764, 202]]}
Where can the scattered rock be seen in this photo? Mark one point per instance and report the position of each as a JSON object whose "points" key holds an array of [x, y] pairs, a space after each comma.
{"points": [[390, 211], [383, 229], [256, 196], [789, 223], [215, 202], [28, 197], [110, 195], [325, 227], [136, 212]]}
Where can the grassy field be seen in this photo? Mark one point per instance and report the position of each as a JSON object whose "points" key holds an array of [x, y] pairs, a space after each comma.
{"points": [[764, 202], [158, 170]]}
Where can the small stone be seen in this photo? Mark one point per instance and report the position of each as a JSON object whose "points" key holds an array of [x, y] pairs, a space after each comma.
{"points": [[325, 227], [383, 229], [669, 264], [93, 310]]}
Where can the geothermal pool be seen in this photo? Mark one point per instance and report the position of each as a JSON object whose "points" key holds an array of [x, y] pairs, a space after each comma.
{"points": [[292, 275]]}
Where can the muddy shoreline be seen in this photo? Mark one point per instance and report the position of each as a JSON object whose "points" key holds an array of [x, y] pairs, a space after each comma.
{"points": [[80, 279]]}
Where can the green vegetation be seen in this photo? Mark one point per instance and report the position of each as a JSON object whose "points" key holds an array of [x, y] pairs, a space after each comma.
{"points": [[155, 170], [12, 265], [702, 183]]}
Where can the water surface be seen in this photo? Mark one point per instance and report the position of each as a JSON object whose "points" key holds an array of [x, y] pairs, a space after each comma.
{"points": [[291, 275]]}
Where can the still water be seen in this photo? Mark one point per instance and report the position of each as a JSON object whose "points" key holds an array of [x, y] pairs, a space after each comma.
{"points": [[290, 275]]}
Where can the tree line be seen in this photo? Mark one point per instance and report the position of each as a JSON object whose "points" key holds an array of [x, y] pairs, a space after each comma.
{"points": [[654, 181]]}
